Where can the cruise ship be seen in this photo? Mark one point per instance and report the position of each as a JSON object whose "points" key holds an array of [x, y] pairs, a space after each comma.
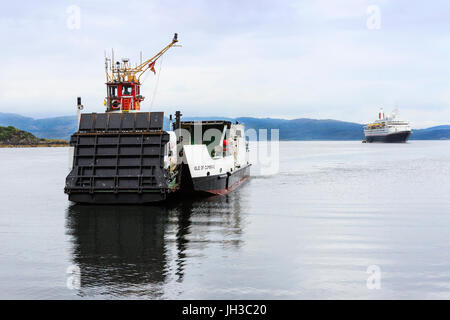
{"points": [[387, 129]]}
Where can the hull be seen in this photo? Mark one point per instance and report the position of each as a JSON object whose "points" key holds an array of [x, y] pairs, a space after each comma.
{"points": [[117, 198], [390, 138], [216, 184]]}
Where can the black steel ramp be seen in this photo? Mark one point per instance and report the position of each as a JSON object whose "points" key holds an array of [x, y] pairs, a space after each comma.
{"points": [[119, 158]]}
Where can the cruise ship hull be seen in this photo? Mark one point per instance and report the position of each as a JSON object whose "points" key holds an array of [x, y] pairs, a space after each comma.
{"points": [[398, 137]]}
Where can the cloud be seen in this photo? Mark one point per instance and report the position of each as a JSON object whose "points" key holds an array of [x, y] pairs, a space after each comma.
{"points": [[254, 58]]}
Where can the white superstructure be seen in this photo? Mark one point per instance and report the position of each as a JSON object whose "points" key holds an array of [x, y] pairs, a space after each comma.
{"points": [[218, 158], [215, 154]]}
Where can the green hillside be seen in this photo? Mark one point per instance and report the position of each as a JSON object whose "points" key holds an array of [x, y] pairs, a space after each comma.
{"points": [[10, 136]]}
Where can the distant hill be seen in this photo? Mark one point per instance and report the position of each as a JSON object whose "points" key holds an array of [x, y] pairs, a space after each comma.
{"points": [[10, 136], [50, 128], [296, 129], [433, 133], [308, 129]]}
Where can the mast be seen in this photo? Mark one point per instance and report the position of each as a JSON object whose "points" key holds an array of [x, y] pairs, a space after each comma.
{"points": [[124, 72], [123, 80]]}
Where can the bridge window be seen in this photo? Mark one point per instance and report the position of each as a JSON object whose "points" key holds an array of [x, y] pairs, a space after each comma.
{"points": [[113, 91], [126, 90]]}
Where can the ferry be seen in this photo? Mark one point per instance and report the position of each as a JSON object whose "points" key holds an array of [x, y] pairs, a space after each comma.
{"points": [[125, 156], [387, 129]]}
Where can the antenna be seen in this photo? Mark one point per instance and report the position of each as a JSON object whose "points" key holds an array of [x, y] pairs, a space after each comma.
{"points": [[112, 58], [395, 112], [106, 67]]}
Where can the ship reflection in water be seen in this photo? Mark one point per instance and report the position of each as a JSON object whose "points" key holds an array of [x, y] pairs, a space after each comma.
{"points": [[135, 251]]}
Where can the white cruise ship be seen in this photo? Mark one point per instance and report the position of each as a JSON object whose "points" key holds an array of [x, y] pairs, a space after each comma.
{"points": [[387, 129]]}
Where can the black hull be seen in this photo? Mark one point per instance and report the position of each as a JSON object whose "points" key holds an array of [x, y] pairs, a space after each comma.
{"points": [[217, 184], [117, 198], [390, 138]]}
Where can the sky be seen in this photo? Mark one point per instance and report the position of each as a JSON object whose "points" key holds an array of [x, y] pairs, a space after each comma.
{"points": [[319, 59]]}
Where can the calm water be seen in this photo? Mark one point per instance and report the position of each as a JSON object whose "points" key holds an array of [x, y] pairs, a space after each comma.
{"points": [[311, 231]]}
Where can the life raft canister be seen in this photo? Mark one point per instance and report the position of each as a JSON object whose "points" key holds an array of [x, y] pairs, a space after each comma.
{"points": [[225, 145]]}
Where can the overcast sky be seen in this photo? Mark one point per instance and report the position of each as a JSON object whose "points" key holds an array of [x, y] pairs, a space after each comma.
{"points": [[291, 59]]}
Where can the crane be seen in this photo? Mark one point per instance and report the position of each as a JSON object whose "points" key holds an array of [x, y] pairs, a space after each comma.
{"points": [[123, 81]]}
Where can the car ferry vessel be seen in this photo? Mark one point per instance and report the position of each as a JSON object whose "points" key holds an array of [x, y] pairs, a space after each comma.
{"points": [[125, 156]]}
